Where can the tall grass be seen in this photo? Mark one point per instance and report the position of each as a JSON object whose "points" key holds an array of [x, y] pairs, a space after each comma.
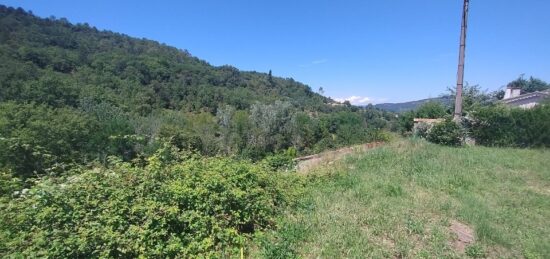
{"points": [[399, 201]]}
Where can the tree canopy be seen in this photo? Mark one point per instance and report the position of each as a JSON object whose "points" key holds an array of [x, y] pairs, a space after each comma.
{"points": [[72, 94]]}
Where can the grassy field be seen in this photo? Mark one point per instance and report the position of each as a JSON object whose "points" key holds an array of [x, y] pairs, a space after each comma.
{"points": [[401, 200]]}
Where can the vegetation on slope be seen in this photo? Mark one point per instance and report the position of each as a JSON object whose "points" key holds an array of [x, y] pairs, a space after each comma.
{"points": [[71, 94], [112, 146], [55, 62], [179, 205], [400, 200]]}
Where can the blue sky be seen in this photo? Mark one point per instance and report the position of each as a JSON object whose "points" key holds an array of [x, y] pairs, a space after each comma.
{"points": [[374, 51]]}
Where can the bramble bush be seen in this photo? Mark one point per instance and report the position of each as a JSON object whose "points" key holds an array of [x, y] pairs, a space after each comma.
{"points": [[447, 133], [281, 161], [178, 205], [422, 130]]}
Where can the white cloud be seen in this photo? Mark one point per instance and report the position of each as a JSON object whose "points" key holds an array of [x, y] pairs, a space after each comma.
{"points": [[354, 99]]}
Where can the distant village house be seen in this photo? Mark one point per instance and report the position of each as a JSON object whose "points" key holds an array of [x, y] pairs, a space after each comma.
{"points": [[514, 98]]}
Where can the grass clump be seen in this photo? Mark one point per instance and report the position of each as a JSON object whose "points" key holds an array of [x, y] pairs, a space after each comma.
{"points": [[475, 251]]}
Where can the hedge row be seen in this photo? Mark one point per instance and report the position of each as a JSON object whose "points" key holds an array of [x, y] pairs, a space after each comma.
{"points": [[515, 127]]}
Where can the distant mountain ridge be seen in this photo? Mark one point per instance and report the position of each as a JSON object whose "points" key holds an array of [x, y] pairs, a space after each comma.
{"points": [[412, 105]]}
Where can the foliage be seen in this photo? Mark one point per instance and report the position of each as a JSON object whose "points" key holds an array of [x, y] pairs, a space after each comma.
{"points": [[8, 185], [54, 62], [473, 96], [504, 126], [71, 94], [529, 86], [281, 161], [34, 138], [178, 205], [495, 125], [526, 86], [447, 133], [422, 129], [431, 110], [428, 110], [406, 121]]}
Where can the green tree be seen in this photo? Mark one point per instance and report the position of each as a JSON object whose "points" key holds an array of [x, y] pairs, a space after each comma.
{"points": [[526, 86], [431, 110], [473, 97], [34, 138]]}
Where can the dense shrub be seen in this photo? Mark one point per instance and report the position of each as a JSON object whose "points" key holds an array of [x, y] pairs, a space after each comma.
{"points": [[8, 185], [422, 129], [504, 126], [405, 122], [446, 133], [281, 161], [34, 138], [179, 205], [381, 135]]}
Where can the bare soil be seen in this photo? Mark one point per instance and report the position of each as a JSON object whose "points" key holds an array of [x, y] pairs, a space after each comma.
{"points": [[464, 236], [306, 163]]}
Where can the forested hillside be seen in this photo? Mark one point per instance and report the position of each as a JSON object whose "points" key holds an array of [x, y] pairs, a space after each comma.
{"points": [[70, 63], [72, 94]]}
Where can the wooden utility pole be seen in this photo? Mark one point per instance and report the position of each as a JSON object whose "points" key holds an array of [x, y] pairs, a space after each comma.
{"points": [[460, 74]]}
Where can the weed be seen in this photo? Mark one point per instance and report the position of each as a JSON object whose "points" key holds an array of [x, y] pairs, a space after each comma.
{"points": [[415, 226], [475, 251]]}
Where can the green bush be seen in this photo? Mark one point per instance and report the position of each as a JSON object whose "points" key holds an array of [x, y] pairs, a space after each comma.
{"points": [[379, 135], [446, 133], [504, 126], [405, 121], [422, 129], [34, 138], [178, 205], [8, 184], [281, 161]]}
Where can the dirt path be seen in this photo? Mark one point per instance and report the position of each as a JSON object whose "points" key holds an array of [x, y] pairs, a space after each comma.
{"points": [[308, 162], [464, 236]]}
